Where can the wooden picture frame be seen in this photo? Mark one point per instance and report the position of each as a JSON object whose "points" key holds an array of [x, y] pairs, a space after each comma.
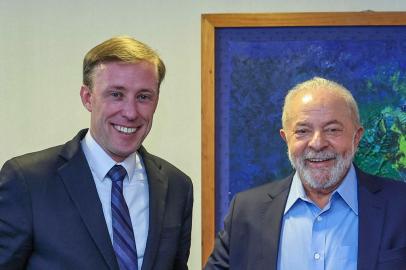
{"points": [[210, 24]]}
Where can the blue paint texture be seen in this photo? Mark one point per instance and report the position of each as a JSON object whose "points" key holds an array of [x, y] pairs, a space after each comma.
{"points": [[255, 67]]}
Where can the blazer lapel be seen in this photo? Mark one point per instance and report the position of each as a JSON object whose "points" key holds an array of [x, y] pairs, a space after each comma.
{"points": [[371, 217], [78, 179], [273, 208], [158, 186]]}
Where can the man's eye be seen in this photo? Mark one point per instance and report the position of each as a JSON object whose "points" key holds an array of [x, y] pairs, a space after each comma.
{"points": [[333, 130], [300, 131], [116, 94], [143, 97]]}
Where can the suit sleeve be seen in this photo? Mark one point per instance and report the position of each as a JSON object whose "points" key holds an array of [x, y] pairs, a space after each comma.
{"points": [[220, 257], [15, 218], [182, 255]]}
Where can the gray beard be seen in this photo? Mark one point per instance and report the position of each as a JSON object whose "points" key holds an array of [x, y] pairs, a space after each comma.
{"points": [[322, 178]]}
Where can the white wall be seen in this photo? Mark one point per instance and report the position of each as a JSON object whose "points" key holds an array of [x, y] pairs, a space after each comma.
{"points": [[42, 44]]}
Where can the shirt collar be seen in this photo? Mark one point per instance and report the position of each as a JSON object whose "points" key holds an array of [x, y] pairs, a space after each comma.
{"points": [[348, 191], [100, 162], [296, 192]]}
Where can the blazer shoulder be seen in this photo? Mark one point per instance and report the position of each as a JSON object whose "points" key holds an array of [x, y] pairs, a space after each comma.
{"points": [[265, 191], [48, 159], [29, 172], [395, 190], [33, 161]]}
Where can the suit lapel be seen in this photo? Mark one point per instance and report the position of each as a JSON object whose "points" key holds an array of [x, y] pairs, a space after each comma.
{"points": [[273, 208], [78, 180], [371, 217], [158, 186]]}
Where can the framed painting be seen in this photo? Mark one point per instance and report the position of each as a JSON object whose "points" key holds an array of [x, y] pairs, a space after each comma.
{"points": [[250, 61]]}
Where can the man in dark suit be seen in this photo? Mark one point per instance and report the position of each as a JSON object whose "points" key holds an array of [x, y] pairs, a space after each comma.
{"points": [[328, 214], [100, 201]]}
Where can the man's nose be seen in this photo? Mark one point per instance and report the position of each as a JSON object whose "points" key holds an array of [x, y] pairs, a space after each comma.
{"points": [[318, 141], [130, 110]]}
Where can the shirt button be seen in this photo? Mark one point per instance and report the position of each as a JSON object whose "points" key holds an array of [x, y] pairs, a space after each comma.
{"points": [[316, 256], [319, 218]]}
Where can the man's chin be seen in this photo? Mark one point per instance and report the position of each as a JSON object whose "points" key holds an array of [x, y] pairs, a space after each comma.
{"points": [[317, 179]]}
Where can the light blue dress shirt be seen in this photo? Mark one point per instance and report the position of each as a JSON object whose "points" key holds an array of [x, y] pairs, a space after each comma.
{"points": [[135, 190], [313, 238]]}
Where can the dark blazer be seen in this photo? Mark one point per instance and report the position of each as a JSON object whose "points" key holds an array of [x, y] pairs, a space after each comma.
{"points": [[250, 238], [51, 216]]}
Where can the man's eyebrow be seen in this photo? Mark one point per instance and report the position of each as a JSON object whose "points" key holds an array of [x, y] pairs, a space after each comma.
{"points": [[307, 123], [302, 123], [116, 87], [147, 90], [333, 122]]}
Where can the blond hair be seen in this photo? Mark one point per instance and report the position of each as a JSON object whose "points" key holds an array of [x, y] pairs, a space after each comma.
{"points": [[123, 49]]}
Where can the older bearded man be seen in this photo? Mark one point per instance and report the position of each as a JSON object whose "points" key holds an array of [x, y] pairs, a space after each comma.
{"points": [[328, 214]]}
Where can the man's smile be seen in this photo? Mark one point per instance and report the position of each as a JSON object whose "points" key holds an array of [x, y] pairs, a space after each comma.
{"points": [[318, 159], [126, 130]]}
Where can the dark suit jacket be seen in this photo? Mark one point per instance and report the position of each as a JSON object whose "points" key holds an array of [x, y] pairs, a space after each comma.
{"points": [[250, 238], [51, 216]]}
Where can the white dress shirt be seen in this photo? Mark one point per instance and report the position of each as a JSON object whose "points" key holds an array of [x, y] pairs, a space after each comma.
{"points": [[135, 190]]}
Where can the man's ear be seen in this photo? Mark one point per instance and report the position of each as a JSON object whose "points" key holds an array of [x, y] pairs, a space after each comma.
{"points": [[86, 97], [283, 135], [358, 136]]}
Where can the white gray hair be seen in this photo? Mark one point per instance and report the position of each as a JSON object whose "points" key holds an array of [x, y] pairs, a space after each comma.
{"points": [[326, 85]]}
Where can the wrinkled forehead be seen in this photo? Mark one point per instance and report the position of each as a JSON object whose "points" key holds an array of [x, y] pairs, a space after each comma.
{"points": [[315, 103]]}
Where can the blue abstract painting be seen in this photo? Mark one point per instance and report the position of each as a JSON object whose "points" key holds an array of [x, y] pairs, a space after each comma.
{"points": [[255, 68]]}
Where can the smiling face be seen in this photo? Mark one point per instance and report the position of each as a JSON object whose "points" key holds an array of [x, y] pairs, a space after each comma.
{"points": [[122, 103], [322, 137]]}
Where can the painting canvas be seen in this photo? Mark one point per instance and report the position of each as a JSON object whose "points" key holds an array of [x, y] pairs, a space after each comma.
{"points": [[250, 61], [256, 68]]}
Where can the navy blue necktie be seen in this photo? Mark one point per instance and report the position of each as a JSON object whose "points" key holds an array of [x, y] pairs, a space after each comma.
{"points": [[123, 235]]}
